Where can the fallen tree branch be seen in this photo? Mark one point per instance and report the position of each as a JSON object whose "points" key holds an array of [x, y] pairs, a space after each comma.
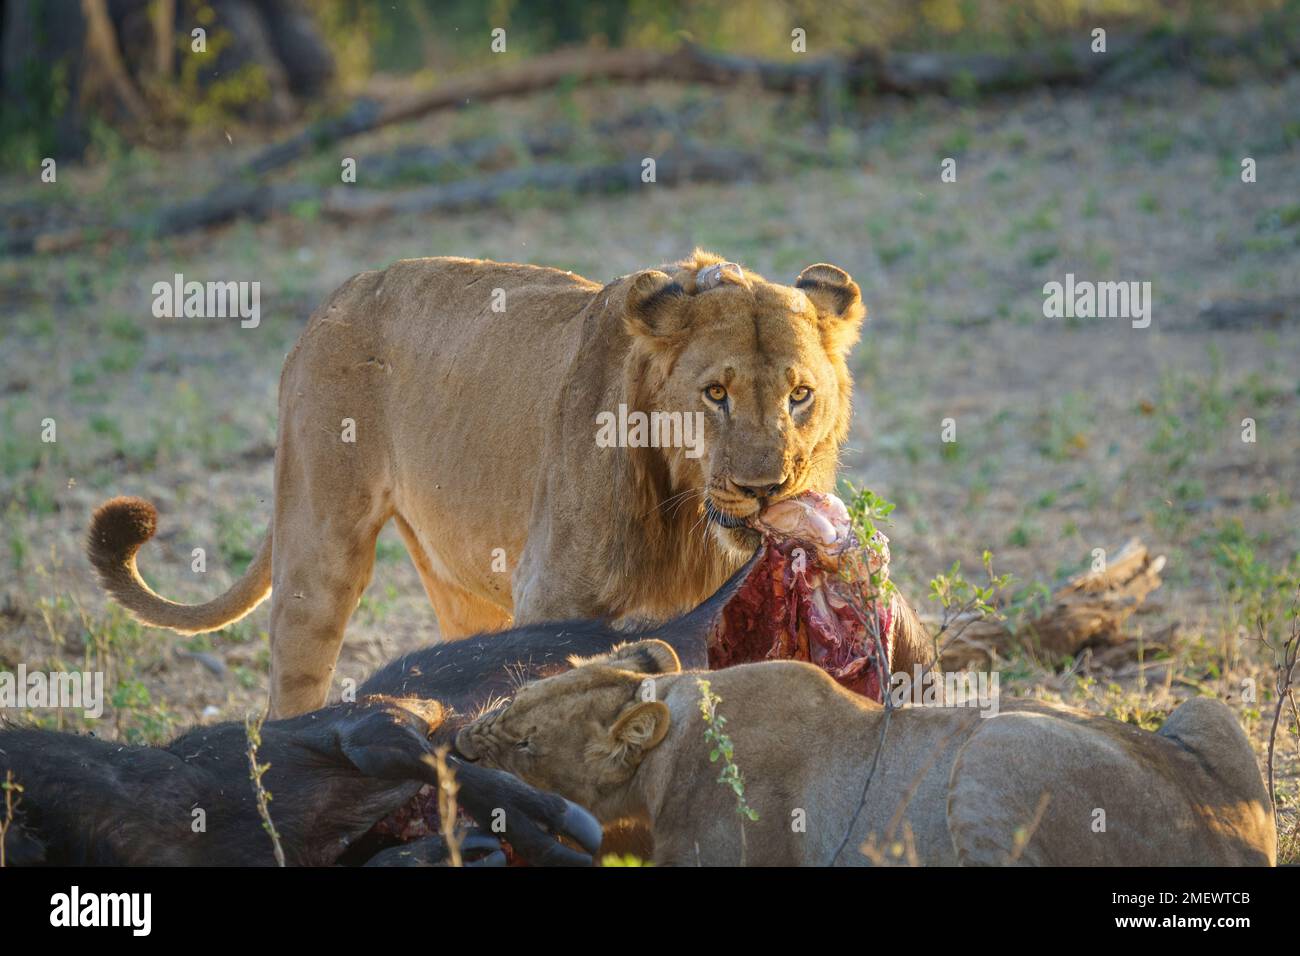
{"points": [[233, 200], [499, 151], [676, 166], [1250, 313], [904, 73], [673, 168], [543, 72], [1089, 611]]}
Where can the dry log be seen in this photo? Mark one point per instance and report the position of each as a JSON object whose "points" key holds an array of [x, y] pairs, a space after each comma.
{"points": [[1250, 313], [542, 72], [914, 74], [673, 168], [1089, 611], [683, 164], [497, 151]]}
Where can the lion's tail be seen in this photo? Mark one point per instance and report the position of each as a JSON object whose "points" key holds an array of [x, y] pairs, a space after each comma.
{"points": [[118, 529]]}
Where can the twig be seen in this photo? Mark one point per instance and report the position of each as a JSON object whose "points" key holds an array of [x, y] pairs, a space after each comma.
{"points": [[913, 785], [723, 749], [881, 589], [1284, 682], [447, 807], [11, 809], [253, 730]]}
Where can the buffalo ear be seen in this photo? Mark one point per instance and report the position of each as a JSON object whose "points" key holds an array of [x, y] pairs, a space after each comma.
{"points": [[644, 657], [640, 728], [839, 304], [655, 305]]}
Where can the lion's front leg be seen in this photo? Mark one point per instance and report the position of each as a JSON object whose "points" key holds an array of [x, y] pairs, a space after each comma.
{"points": [[550, 585]]}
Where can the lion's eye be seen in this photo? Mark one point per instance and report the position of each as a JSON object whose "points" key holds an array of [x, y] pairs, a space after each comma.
{"points": [[800, 395], [716, 393], [522, 744]]}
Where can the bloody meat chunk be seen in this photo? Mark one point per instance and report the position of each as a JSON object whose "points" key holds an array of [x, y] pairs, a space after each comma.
{"points": [[811, 597]]}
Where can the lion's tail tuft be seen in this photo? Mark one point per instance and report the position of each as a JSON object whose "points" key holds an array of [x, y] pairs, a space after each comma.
{"points": [[119, 528]]}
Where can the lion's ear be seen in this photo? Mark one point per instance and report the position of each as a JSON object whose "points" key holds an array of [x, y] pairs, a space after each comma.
{"points": [[655, 305], [644, 657], [839, 304], [640, 728]]}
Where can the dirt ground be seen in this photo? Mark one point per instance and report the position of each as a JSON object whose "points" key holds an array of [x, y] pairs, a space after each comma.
{"points": [[1071, 434]]}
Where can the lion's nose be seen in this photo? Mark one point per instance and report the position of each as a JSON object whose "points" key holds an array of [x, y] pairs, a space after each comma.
{"points": [[758, 489]]}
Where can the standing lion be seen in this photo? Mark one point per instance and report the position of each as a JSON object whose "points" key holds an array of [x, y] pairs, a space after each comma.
{"points": [[460, 398]]}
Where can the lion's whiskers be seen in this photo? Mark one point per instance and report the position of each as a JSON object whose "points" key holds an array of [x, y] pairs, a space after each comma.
{"points": [[676, 500]]}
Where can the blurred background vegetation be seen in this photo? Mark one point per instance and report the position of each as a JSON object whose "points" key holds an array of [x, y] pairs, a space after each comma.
{"points": [[267, 61]]}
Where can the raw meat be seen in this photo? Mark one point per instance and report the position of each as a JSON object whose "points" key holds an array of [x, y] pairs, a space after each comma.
{"points": [[811, 597]]}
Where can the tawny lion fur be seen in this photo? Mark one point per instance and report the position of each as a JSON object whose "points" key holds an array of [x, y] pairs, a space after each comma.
{"points": [[475, 433], [623, 735]]}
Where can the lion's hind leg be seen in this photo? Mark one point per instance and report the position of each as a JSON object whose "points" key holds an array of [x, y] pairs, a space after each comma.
{"points": [[1061, 790], [317, 587], [331, 504]]}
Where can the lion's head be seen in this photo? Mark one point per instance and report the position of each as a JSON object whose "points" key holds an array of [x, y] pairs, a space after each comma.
{"points": [[763, 365], [582, 733]]}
